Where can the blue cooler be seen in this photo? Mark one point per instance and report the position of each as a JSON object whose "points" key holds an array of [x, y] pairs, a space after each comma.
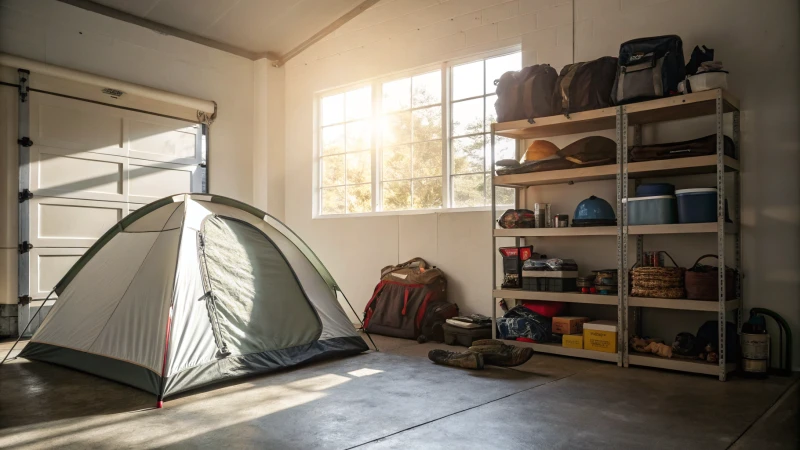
{"points": [[657, 210], [697, 205]]}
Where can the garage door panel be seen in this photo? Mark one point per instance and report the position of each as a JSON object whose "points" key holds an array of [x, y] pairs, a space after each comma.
{"points": [[78, 175], [77, 126], [48, 266], [151, 181], [62, 222], [167, 141]]}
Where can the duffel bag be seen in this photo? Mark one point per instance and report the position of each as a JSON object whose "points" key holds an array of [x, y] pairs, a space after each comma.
{"points": [[585, 85], [525, 94], [649, 68], [405, 297], [696, 147]]}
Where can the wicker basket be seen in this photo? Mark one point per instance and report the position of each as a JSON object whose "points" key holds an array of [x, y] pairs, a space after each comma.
{"points": [[659, 282], [702, 281]]}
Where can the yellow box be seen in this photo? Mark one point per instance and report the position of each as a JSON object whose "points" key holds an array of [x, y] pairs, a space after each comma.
{"points": [[600, 335], [572, 340]]}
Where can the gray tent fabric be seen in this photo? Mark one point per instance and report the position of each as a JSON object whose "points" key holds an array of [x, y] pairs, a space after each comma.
{"points": [[192, 290]]}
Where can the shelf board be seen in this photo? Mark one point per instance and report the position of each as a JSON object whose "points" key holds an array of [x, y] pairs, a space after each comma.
{"points": [[692, 165], [557, 349], [682, 304], [683, 365], [660, 110], [555, 232], [680, 107], [567, 297], [646, 169], [579, 122], [680, 228]]}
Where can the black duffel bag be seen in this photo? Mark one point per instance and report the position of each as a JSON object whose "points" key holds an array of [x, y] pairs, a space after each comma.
{"points": [[585, 85], [649, 68]]}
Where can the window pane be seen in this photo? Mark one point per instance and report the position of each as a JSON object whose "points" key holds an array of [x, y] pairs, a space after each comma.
{"points": [[359, 135], [358, 168], [491, 113], [359, 198], [396, 129], [332, 109], [500, 65], [504, 148], [468, 117], [468, 190], [333, 170], [396, 195], [427, 159], [468, 154], [427, 89], [397, 95], [333, 140], [427, 193], [397, 163], [358, 103], [468, 80], [333, 200], [427, 124], [504, 196]]}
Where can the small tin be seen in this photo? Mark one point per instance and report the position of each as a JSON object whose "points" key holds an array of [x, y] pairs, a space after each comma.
{"points": [[548, 216], [560, 221]]}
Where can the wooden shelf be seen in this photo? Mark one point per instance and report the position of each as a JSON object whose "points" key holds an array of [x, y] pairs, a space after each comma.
{"points": [[646, 169], [556, 232], [693, 165], [557, 349], [664, 109], [680, 107], [679, 228], [682, 304], [579, 122], [683, 365], [567, 297]]}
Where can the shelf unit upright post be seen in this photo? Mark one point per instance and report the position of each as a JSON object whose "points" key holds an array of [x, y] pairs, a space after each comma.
{"points": [[621, 244]]}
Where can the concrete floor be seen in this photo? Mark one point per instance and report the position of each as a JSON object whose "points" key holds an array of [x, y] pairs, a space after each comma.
{"points": [[398, 399]]}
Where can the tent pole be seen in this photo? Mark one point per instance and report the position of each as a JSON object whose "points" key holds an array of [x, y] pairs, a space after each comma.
{"points": [[29, 324], [359, 318]]}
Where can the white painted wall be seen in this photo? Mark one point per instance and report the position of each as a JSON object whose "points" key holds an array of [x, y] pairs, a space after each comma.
{"points": [[757, 41]]}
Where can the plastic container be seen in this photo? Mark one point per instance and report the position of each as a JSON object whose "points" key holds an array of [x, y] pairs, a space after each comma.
{"points": [[656, 210], [697, 205], [655, 189], [708, 80], [549, 284]]}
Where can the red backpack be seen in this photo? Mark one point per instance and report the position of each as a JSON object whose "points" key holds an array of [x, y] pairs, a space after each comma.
{"points": [[409, 302]]}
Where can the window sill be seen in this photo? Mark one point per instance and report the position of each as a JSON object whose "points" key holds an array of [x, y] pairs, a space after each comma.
{"points": [[411, 212]]}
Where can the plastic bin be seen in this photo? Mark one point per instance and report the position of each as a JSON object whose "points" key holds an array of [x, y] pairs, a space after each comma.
{"points": [[657, 210], [550, 284], [697, 205], [655, 189]]}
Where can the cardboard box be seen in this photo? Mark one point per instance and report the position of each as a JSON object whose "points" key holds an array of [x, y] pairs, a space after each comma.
{"points": [[568, 324], [600, 335], [572, 341]]}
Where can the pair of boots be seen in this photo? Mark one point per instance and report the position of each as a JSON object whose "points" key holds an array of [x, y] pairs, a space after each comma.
{"points": [[483, 352]]}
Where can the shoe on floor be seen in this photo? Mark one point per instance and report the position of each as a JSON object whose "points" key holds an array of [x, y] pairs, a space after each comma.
{"points": [[496, 353], [464, 360]]}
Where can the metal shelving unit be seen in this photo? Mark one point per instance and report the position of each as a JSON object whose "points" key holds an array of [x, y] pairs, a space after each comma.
{"points": [[715, 102]]}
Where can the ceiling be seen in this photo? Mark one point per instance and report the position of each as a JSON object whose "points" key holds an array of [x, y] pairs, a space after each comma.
{"points": [[255, 26]]}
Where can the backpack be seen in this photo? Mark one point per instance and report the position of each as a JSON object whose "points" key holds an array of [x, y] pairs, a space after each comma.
{"points": [[649, 68], [409, 301], [525, 94], [585, 85]]}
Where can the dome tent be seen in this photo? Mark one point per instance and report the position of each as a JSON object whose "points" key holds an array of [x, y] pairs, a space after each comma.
{"points": [[192, 290]]}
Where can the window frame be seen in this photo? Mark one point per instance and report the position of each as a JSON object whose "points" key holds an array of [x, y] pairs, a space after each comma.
{"points": [[446, 70]]}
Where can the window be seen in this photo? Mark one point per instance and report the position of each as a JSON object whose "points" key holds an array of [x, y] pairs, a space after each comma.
{"points": [[388, 147]]}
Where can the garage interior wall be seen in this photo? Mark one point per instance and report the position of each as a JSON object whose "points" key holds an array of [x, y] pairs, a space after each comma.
{"points": [[62, 35], [749, 37]]}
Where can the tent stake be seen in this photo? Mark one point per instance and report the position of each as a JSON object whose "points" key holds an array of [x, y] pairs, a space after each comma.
{"points": [[29, 324], [359, 319]]}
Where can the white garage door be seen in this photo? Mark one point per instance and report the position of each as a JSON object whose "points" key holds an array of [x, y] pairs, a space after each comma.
{"points": [[91, 165]]}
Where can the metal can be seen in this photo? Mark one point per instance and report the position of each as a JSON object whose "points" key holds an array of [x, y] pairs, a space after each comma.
{"points": [[548, 217], [539, 210], [560, 221]]}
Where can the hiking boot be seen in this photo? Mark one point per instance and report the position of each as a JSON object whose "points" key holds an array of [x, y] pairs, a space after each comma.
{"points": [[465, 360], [496, 353]]}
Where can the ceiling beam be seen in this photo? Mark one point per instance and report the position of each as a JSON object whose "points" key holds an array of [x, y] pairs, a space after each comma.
{"points": [[280, 60], [104, 10]]}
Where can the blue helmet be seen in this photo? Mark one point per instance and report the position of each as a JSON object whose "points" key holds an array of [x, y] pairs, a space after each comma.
{"points": [[594, 208]]}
